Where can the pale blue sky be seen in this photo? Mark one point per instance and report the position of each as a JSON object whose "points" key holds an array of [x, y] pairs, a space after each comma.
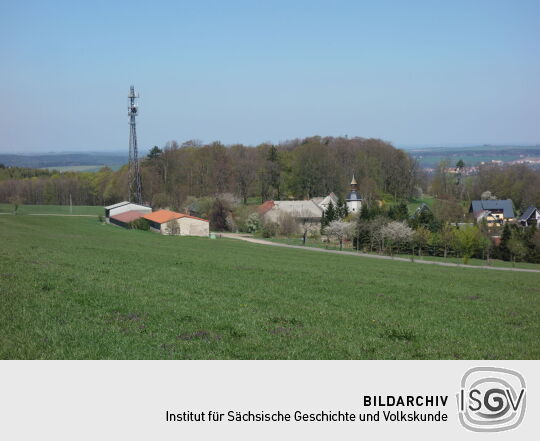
{"points": [[410, 72]]}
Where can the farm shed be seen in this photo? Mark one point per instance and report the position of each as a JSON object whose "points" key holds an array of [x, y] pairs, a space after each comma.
{"points": [[122, 207], [170, 222], [123, 219]]}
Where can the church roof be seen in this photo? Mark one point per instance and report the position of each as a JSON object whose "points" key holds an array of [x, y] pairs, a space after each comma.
{"points": [[353, 182], [353, 196]]}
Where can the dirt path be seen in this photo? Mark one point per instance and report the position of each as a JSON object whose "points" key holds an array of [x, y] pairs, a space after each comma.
{"points": [[251, 239]]}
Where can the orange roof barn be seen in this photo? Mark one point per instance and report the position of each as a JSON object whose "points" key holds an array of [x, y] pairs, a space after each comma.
{"points": [[163, 216]]}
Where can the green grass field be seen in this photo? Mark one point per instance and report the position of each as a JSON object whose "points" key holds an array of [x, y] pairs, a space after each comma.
{"points": [[53, 209], [334, 245], [415, 203], [72, 288]]}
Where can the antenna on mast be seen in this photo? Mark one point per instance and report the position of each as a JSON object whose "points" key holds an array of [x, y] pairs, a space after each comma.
{"points": [[134, 178]]}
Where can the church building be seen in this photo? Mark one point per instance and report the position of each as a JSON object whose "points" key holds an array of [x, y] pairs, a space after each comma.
{"points": [[354, 200]]}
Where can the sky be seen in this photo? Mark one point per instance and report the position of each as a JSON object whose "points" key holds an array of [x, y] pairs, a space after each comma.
{"points": [[414, 73]]}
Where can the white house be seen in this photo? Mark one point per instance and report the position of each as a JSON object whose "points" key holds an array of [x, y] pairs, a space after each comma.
{"points": [[311, 210], [170, 222], [325, 202], [273, 210]]}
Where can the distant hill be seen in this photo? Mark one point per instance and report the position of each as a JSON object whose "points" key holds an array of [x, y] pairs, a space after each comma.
{"points": [[473, 155], [64, 160]]}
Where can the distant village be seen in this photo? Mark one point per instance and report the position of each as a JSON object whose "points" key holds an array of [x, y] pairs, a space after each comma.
{"points": [[310, 212]]}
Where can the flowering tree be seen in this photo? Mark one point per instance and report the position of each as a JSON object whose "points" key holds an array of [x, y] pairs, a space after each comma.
{"points": [[395, 234], [340, 230]]}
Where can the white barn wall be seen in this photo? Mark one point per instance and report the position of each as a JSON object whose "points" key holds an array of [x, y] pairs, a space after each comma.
{"points": [[193, 227], [129, 207], [188, 227]]}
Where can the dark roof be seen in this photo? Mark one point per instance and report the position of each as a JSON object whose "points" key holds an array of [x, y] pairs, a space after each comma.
{"points": [[493, 204], [422, 207], [119, 204], [528, 213], [353, 196]]}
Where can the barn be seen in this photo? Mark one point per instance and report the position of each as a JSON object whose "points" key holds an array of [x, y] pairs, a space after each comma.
{"points": [[170, 222], [123, 219], [122, 207]]}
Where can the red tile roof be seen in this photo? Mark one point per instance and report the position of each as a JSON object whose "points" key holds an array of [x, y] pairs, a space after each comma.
{"points": [[193, 217], [128, 216], [267, 206], [163, 216]]}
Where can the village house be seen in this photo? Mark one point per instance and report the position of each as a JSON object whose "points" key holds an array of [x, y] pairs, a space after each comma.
{"points": [[324, 202], [493, 211], [311, 210], [531, 216], [272, 211], [122, 207], [172, 223]]}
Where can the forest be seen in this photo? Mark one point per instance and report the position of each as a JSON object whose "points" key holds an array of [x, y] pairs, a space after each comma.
{"points": [[294, 169], [300, 168]]}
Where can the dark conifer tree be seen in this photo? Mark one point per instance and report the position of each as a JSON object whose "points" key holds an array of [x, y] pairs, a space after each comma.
{"points": [[399, 212], [329, 215], [504, 252]]}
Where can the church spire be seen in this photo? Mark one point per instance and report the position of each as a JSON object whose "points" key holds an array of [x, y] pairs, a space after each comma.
{"points": [[354, 184]]}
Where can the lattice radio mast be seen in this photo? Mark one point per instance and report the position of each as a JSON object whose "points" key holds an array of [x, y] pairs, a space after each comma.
{"points": [[135, 190]]}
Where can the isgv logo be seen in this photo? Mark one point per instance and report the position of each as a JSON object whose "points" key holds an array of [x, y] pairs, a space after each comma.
{"points": [[491, 399]]}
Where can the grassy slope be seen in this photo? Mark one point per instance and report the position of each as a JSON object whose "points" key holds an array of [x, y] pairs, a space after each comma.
{"points": [[53, 209], [413, 205], [334, 245], [73, 288]]}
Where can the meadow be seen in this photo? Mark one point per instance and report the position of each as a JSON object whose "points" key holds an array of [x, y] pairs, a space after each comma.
{"points": [[53, 209], [348, 247], [73, 288]]}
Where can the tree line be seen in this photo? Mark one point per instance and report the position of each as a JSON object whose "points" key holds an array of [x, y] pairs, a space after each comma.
{"points": [[295, 169], [518, 182]]}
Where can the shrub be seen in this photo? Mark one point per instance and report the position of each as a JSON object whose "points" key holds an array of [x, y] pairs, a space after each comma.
{"points": [[287, 225], [467, 241], [253, 223], [218, 216], [269, 229], [140, 224]]}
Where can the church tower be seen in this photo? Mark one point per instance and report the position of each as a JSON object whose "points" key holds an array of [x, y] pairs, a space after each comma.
{"points": [[354, 201]]}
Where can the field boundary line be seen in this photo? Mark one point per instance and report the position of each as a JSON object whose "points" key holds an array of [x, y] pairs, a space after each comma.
{"points": [[373, 256]]}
